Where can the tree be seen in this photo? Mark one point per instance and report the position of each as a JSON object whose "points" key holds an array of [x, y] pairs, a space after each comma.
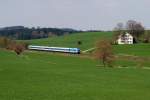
{"points": [[119, 27], [104, 52], [19, 48], [135, 28]]}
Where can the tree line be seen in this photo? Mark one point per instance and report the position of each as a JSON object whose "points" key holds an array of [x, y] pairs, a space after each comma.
{"points": [[25, 33]]}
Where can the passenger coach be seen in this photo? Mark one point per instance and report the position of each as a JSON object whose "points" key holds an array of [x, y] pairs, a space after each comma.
{"points": [[55, 49]]}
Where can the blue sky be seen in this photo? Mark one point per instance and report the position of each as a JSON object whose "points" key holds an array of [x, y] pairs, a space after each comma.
{"points": [[78, 14]]}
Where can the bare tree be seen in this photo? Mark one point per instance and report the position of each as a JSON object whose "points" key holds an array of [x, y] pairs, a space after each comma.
{"points": [[104, 52], [135, 28], [18, 48], [119, 27]]}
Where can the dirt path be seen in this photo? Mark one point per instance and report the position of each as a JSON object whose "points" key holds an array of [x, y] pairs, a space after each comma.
{"points": [[88, 50]]}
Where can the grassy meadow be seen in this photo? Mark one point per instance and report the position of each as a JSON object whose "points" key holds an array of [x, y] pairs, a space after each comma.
{"points": [[88, 40], [56, 76], [50, 76]]}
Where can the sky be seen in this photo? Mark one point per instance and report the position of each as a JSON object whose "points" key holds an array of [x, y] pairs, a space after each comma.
{"points": [[77, 14]]}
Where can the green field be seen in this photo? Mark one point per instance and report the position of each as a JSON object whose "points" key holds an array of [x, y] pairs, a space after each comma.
{"points": [[135, 50], [88, 41], [48, 76], [53, 76]]}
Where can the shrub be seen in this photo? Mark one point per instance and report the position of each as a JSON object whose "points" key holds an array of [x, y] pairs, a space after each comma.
{"points": [[4, 42], [79, 43]]}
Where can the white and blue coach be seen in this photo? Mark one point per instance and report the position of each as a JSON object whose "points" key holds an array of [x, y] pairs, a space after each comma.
{"points": [[54, 49]]}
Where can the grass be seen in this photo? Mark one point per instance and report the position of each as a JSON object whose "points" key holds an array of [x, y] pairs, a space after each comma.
{"points": [[48, 76], [88, 40], [135, 50], [52, 76]]}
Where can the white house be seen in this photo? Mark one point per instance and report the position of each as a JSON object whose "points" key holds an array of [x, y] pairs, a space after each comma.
{"points": [[126, 38]]}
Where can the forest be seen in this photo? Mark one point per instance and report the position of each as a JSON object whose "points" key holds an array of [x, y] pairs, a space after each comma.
{"points": [[25, 33]]}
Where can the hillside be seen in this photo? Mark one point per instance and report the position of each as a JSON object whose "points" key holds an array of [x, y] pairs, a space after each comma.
{"points": [[89, 39]]}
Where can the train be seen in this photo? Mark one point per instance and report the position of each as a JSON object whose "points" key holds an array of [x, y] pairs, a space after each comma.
{"points": [[55, 49]]}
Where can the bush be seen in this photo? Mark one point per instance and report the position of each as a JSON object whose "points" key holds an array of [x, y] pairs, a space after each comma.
{"points": [[146, 37], [12, 45], [79, 43], [4, 42]]}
